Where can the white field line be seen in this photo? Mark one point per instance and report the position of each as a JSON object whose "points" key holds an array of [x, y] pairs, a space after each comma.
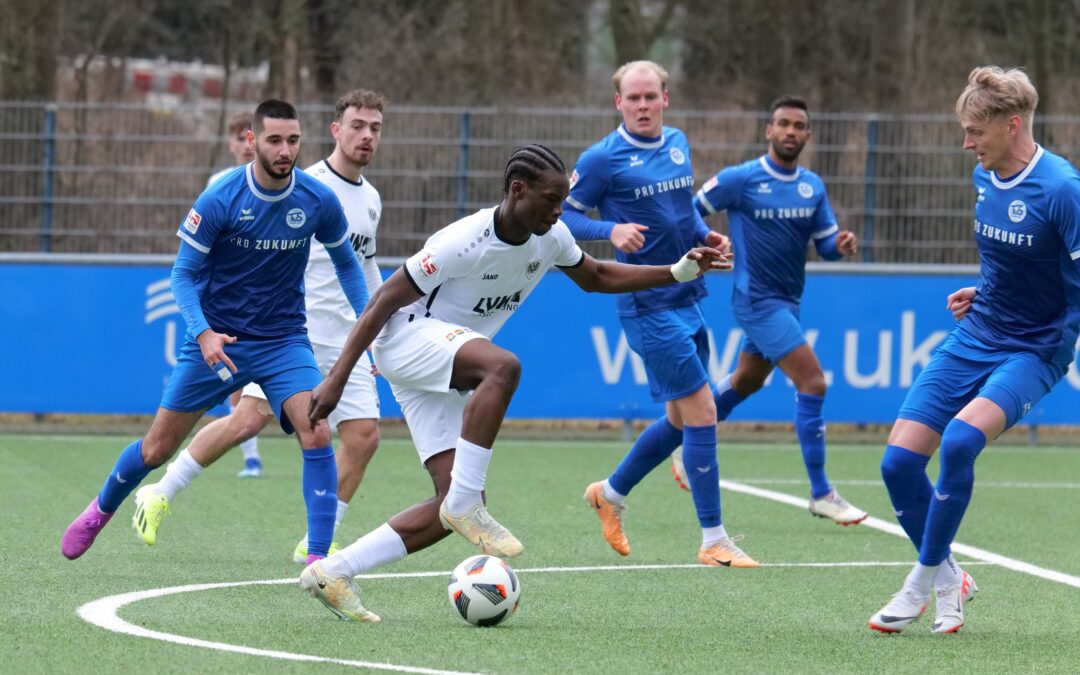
{"points": [[878, 524], [104, 612], [1029, 485]]}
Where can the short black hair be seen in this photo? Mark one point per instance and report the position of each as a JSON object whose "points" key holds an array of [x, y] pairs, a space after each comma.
{"points": [[788, 101], [529, 161], [274, 109]]}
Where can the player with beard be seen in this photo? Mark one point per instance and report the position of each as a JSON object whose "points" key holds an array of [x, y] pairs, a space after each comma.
{"points": [[775, 208], [357, 130], [238, 281]]}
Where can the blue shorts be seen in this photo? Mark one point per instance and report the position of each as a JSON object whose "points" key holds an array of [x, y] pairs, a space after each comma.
{"points": [[959, 372], [282, 367], [674, 345], [771, 333]]}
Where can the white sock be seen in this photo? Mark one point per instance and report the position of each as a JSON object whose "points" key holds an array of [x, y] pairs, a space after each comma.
{"points": [[379, 547], [711, 535], [948, 573], [468, 476], [178, 475], [723, 385], [921, 579], [341, 506], [611, 494], [250, 448]]}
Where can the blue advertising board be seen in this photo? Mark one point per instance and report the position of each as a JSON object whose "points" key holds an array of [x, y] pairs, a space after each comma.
{"points": [[100, 338]]}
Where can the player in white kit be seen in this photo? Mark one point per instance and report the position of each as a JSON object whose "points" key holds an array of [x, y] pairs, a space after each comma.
{"points": [[434, 319], [357, 129]]}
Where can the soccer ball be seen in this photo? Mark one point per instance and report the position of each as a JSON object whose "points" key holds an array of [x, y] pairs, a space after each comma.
{"points": [[484, 590]]}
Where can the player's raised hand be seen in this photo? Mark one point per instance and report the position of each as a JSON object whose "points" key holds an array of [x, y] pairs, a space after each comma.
{"points": [[698, 261], [324, 398], [212, 346], [959, 302], [628, 237], [847, 243], [718, 241]]}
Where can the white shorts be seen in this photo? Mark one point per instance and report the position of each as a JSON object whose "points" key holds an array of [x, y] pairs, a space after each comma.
{"points": [[359, 401], [417, 358]]}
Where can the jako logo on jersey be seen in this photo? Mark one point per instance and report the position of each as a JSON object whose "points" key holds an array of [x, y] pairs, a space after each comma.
{"points": [[485, 306], [295, 218], [805, 190], [1017, 211], [677, 156], [427, 267], [191, 223], [490, 277], [246, 214], [634, 161], [531, 268], [452, 335]]}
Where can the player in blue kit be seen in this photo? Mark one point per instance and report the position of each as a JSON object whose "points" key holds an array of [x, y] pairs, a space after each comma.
{"points": [[775, 208], [1015, 337], [640, 180], [238, 281]]}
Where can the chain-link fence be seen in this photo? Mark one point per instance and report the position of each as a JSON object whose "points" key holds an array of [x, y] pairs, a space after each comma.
{"points": [[118, 178]]}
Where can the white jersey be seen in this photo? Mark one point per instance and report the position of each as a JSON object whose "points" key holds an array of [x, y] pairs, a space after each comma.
{"points": [[329, 314], [472, 278]]}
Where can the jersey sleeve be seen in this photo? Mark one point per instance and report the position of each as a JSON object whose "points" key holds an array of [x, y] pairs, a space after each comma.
{"points": [[570, 254], [437, 262], [721, 192], [590, 180], [824, 218], [1065, 212], [333, 227], [204, 222]]}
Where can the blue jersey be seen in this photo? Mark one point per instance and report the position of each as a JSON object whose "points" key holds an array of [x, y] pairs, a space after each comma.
{"points": [[1028, 232], [773, 214], [632, 179], [251, 283]]}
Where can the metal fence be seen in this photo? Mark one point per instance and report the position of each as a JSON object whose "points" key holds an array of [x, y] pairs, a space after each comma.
{"points": [[118, 178]]}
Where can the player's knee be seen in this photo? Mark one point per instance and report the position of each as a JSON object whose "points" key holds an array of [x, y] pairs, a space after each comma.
{"points": [[961, 444], [319, 437], [246, 425], [812, 383], [157, 450], [504, 370]]}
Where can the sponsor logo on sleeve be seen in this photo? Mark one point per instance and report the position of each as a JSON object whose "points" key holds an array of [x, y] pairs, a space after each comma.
{"points": [[710, 184], [191, 223], [573, 178], [427, 267]]}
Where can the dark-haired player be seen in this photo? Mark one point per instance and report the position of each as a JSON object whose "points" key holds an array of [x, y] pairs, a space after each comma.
{"points": [[238, 281], [775, 208], [434, 318]]}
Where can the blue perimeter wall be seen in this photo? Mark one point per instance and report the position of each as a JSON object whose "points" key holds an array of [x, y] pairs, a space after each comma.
{"points": [[100, 338]]}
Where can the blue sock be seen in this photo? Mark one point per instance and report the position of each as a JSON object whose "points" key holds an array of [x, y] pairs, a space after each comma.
{"points": [[320, 496], [652, 447], [726, 398], [960, 445], [904, 473], [810, 428], [703, 472], [126, 475]]}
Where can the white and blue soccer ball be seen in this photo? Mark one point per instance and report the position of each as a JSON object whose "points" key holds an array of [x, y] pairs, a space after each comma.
{"points": [[484, 590]]}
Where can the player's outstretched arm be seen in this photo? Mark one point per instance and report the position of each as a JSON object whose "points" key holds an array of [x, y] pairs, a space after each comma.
{"points": [[594, 276], [397, 292]]}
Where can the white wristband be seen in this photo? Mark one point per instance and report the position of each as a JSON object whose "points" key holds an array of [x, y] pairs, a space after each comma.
{"points": [[685, 270]]}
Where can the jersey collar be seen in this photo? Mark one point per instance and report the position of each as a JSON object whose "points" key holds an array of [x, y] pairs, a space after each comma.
{"points": [[641, 141], [254, 187], [1018, 178], [776, 173], [330, 168]]}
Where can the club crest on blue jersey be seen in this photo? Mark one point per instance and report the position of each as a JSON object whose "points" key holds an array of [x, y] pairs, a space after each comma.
{"points": [[295, 218], [1017, 210]]}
